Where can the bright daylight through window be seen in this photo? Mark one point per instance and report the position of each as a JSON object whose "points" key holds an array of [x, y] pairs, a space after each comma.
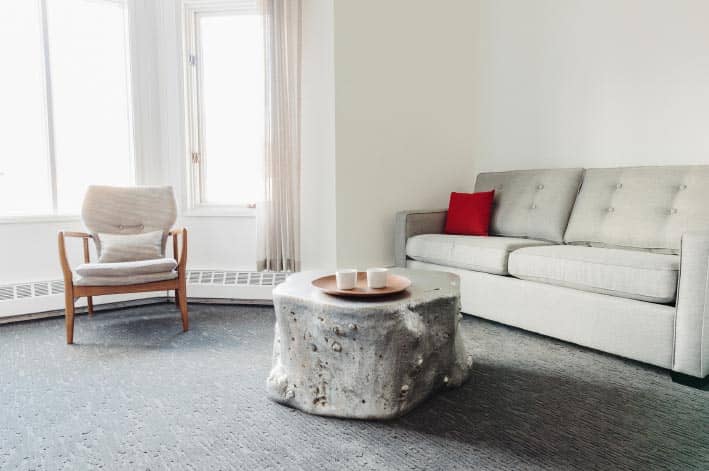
{"points": [[225, 80], [65, 114]]}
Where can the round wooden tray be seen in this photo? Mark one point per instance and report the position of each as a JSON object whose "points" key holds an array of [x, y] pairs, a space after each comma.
{"points": [[395, 284]]}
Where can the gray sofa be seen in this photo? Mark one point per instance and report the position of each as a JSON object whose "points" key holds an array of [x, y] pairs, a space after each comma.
{"points": [[614, 259]]}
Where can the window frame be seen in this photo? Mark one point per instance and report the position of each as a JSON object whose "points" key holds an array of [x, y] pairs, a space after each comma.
{"points": [[193, 10], [55, 215]]}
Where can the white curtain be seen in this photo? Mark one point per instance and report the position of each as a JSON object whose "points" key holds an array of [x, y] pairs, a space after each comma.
{"points": [[279, 213]]}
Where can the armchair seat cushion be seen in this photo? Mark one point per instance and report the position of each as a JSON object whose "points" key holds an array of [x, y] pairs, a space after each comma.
{"points": [[123, 280], [142, 267], [633, 274], [485, 254]]}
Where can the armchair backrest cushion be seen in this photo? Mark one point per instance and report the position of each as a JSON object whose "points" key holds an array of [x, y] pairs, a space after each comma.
{"points": [[640, 207], [129, 210], [531, 203]]}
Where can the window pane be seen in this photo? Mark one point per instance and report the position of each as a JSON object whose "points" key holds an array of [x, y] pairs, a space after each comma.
{"points": [[24, 164], [88, 63], [232, 67]]}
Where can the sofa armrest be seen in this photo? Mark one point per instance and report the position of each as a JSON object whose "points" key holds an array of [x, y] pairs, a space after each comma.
{"points": [[691, 355], [411, 223]]}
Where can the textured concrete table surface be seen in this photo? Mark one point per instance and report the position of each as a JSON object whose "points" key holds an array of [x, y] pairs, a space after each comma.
{"points": [[368, 359]]}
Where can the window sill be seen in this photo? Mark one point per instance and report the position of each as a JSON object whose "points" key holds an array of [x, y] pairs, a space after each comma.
{"points": [[220, 211], [39, 219]]}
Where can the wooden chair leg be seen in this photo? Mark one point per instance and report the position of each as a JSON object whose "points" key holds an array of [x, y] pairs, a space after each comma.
{"points": [[181, 295], [177, 297], [69, 317], [90, 303]]}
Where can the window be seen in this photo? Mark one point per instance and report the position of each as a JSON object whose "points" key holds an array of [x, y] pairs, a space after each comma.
{"points": [[226, 103], [65, 117]]}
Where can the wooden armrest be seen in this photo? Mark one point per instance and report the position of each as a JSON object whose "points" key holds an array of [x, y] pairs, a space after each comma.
{"points": [[182, 259], [81, 235], [66, 269]]}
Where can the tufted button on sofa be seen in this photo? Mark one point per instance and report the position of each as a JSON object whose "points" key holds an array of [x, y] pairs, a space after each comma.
{"points": [[615, 259]]}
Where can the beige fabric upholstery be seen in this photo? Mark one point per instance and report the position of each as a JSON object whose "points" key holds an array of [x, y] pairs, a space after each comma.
{"points": [[531, 203], [123, 280], [630, 274], [626, 327], [130, 247], [129, 210], [142, 267], [640, 207], [487, 254], [692, 327]]}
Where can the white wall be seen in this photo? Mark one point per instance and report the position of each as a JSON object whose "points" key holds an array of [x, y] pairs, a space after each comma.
{"points": [[429, 94], [580, 83], [404, 113], [28, 252], [318, 196]]}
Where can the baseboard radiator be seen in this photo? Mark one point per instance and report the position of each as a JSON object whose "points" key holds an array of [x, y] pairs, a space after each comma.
{"points": [[40, 296]]}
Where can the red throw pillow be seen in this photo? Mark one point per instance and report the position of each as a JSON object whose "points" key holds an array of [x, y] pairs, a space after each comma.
{"points": [[469, 213]]}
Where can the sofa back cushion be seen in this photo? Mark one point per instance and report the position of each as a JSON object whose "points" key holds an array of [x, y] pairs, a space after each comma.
{"points": [[640, 207], [531, 203]]}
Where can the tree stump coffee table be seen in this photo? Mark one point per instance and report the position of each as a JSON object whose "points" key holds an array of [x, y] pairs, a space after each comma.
{"points": [[368, 359]]}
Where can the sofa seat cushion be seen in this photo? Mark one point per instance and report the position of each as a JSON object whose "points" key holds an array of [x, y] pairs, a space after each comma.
{"points": [[123, 280], [477, 253], [633, 274], [142, 267]]}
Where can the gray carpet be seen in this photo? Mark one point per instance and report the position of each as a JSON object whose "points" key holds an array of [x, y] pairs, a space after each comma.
{"points": [[136, 393]]}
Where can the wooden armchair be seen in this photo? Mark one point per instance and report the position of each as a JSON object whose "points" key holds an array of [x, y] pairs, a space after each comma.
{"points": [[122, 211]]}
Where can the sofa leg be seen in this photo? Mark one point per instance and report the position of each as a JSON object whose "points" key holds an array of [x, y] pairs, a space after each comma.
{"points": [[692, 381]]}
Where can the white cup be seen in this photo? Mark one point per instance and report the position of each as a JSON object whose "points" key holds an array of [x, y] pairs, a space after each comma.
{"points": [[346, 278], [377, 277]]}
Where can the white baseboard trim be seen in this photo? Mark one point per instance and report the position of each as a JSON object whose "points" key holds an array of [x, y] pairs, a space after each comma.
{"points": [[82, 310], [25, 298], [247, 292], [55, 302], [131, 303]]}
